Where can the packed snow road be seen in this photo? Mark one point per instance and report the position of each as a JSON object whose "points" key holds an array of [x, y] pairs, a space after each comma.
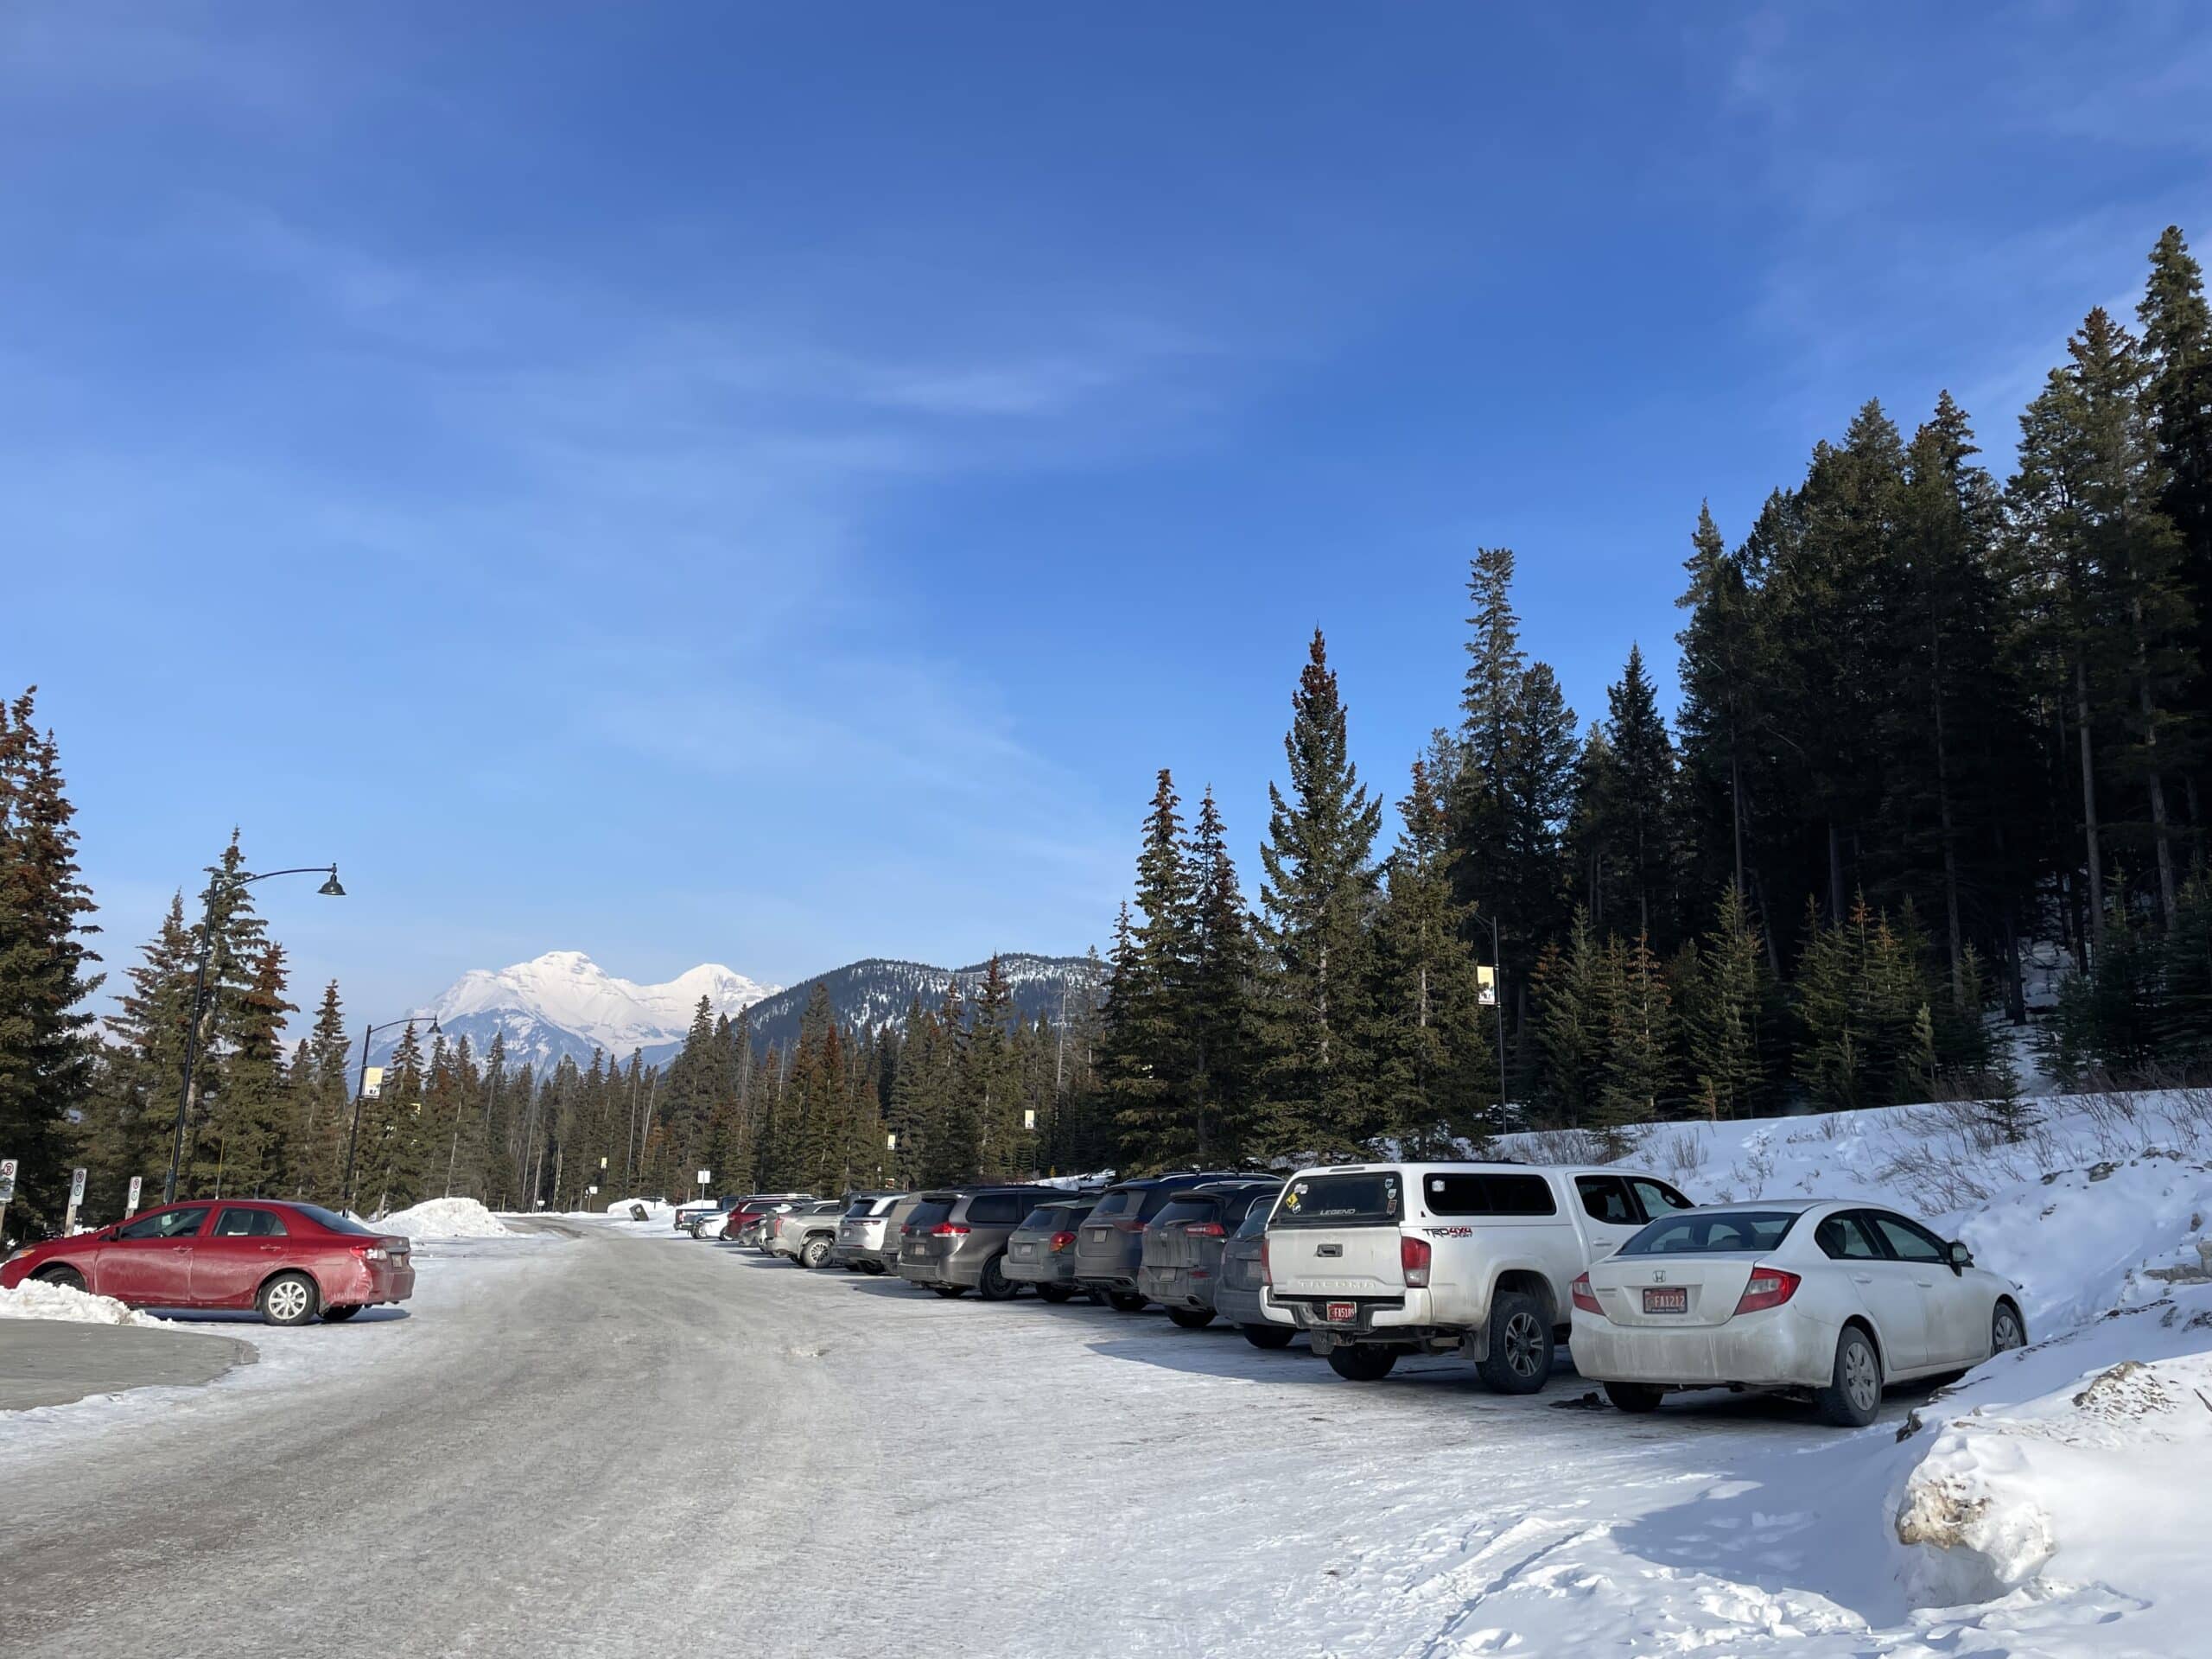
{"points": [[629, 1444]]}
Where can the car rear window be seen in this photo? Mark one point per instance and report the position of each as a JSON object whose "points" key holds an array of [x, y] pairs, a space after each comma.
{"points": [[1236, 1205], [862, 1207], [1366, 1199], [1052, 1218], [1489, 1194], [928, 1213], [1120, 1201], [333, 1220], [1693, 1233], [998, 1209], [1186, 1210], [1254, 1224]]}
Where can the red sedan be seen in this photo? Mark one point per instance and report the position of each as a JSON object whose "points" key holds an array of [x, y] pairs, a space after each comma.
{"points": [[289, 1261]]}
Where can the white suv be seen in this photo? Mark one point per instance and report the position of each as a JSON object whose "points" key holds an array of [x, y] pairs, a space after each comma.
{"points": [[1373, 1261]]}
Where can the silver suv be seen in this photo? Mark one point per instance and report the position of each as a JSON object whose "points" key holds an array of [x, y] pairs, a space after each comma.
{"points": [[861, 1230], [1041, 1251]]}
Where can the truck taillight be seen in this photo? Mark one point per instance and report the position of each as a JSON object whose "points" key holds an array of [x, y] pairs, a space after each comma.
{"points": [[948, 1229], [1412, 1261], [1767, 1288], [1267, 1274], [1064, 1241], [1585, 1298]]}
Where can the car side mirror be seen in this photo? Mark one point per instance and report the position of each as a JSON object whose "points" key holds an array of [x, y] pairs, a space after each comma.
{"points": [[1961, 1257]]}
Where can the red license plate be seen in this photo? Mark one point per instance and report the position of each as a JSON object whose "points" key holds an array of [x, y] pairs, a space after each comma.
{"points": [[1339, 1313], [1669, 1300]]}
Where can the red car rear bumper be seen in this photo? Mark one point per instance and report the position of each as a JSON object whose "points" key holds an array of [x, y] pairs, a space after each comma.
{"points": [[366, 1284]]}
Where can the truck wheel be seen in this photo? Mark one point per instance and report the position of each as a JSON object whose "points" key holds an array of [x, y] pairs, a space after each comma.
{"points": [[1363, 1364], [995, 1286], [1126, 1302], [1634, 1396], [1054, 1294], [1520, 1358], [813, 1253], [1854, 1391], [1192, 1318], [1267, 1336]]}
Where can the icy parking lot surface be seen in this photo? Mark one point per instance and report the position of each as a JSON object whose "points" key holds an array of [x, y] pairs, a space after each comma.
{"points": [[630, 1432]]}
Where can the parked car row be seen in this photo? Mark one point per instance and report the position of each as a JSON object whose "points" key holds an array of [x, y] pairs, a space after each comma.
{"points": [[1501, 1262]]}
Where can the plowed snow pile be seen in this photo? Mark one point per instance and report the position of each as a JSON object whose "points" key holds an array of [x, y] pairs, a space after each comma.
{"points": [[33, 1301], [445, 1218]]}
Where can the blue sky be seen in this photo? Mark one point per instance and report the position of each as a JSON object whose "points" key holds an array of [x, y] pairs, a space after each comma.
{"points": [[770, 485]]}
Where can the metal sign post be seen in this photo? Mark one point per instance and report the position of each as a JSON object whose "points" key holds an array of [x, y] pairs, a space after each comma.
{"points": [[76, 1197], [130, 1203]]}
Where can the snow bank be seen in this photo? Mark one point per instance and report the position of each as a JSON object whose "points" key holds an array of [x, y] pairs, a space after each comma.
{"points": [[2080, 1472], [445, 1218], [33, 1301]]}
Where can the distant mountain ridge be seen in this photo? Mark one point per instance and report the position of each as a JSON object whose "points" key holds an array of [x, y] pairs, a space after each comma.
{"points": [[564, 1004], [876, 991]]}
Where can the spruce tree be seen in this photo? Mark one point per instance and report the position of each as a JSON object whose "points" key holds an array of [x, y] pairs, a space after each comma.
{"points": [[2177, 343], [1723, 1012], [1314, 903], [1434, 1077], [46, 1057]]}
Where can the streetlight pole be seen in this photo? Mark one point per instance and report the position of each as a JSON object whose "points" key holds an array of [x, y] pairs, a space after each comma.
{"points": [[360, 1091], [220, 881]]}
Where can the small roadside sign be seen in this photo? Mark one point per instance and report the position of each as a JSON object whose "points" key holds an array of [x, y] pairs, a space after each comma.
{"points": [[706, 1175], [130, 1203], [76, 1197], [7, 1180]]}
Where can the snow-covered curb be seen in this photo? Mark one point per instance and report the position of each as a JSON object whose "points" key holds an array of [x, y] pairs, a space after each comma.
{"points": [[33, 1299]]}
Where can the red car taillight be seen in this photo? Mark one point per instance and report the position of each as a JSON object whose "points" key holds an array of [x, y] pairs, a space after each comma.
{"points": [[372, 1249], [1585, 1298], [1767, 1288], [1267, 1275], [1412, 1261], [1129, 1223], [1206, 1229], [1064, 1241], [948, 1229]]}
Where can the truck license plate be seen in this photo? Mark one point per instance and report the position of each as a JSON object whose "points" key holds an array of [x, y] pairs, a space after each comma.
{"points": [[1339, 1313], [1669, 1300]]}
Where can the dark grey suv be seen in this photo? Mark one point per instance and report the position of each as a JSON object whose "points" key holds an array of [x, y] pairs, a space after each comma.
{"points": [[1109, 1246], [955, 1240], [1180, 1264], [1041, 1251], [1236, 1293]]}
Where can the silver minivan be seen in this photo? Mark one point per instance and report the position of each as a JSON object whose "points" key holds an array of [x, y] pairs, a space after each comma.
{"points": [[955, 1239]]}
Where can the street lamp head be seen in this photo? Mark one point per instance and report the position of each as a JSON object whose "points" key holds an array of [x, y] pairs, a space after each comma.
{"points": [[433, 1025], [330, 889]]}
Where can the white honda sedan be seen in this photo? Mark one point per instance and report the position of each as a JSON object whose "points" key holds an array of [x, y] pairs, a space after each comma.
{"points": [[1829, 1300]]}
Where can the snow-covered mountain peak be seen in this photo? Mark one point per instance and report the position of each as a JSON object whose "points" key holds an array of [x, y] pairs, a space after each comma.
{"points": [[563, 1001]]}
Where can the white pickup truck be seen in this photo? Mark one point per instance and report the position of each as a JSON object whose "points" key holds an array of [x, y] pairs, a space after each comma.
{"points": [[1373, 1261]]}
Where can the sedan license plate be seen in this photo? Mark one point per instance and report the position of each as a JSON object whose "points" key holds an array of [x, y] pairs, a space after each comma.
{"points": [[1339, 1313], [1671, 1298], [1024, 1250]]}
